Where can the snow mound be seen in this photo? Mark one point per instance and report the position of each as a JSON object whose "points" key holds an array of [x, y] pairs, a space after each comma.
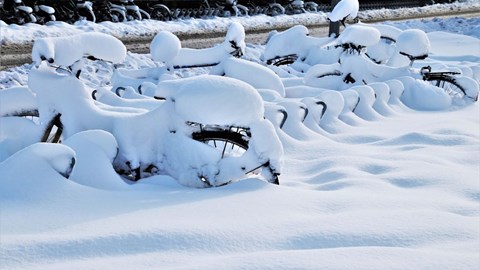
{"points": [[290, 41], [267, 145], [242, 69], [334, 103], [95, 151], [470, 86], [65, 51], [421, 95], [58, 157], [324, 76], [164, 47], [413, 42], [236, 35], [17, 100], [234, 44], [385, 48], [364, 108], [386, 31], [17, 133], [344, 9], [360, 35], [210, 99]]}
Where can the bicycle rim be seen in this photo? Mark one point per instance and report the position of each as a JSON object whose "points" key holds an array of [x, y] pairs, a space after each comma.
{"points": [[449, 85], [230, 143]]}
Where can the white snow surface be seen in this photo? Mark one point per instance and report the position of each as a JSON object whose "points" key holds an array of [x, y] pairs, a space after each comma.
{"points": [[374, 184]]}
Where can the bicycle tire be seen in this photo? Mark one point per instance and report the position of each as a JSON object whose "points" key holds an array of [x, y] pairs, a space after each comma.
{"points": [[235, 139], [161, 13], [134, 16], [275, 10], [88, 15], [25, 18], [144, 14], [311, 6], [448, 84], [242, 11], [117, 16]]}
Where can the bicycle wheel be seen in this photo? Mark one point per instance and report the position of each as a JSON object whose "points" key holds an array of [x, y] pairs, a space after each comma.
{"points": [[233, 143], [144, 14], [88, 15], [311, 6], [134, 16], [283, 60], [242, 11], [24, 17], [117, 16], [161, 13], [275, 10], [448, 84]]}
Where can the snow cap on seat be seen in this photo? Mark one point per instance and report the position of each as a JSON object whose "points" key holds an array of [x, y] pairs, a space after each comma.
{"points": [[65, 51], [360, 35], [413, 42], [165, 46]]}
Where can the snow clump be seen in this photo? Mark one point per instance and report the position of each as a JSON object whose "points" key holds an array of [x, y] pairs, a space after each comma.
{"points": [[345, 9], [293, 41], [242, 69], [164, 47], [359, 35], [234, 44]]}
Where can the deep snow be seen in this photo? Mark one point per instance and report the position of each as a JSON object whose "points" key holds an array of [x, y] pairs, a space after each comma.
{"points": [[394, 189]]}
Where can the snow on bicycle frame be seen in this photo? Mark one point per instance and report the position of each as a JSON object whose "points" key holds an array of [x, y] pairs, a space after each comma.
{"points": [[69, 52], [162, 141], [233, 45], [166, 48]]}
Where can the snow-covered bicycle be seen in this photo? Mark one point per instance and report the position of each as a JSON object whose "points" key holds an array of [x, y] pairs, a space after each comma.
{"points": [[198, 133], [365, 54], [167, 53]]}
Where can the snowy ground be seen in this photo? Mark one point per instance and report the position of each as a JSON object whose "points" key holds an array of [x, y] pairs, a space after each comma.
{"points": [[398, 192]]}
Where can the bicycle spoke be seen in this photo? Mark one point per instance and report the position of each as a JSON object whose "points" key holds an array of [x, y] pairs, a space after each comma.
{"points": [[448, 85], [224, 148]]}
